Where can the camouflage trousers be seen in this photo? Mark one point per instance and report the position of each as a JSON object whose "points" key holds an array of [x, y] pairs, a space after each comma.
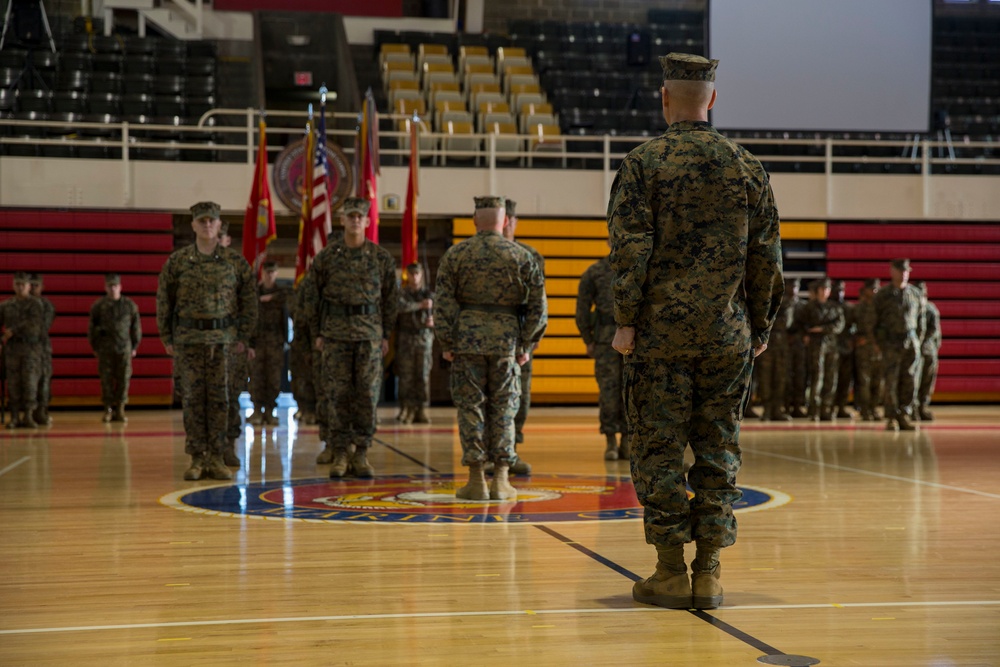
{"points": [[413, 367], [673, 403], [303, 372], [608, 372], [798, 375], [45, 379], [867, 377], [203, 371], [823, 368], [485, 391], [900, 361], [24, 372], [351, 383], [115, 371], [771, 368], [928, 378], [525, 401], [845, 377], [265, 372], [239, 373]]}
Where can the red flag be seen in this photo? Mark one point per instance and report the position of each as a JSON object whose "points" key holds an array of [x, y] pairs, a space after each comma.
{"points": [[315, 224], [258, 219], [368, 162], [409, 226]]}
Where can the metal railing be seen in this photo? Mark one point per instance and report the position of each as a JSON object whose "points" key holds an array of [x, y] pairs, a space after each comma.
{"points": [[230, 135]]}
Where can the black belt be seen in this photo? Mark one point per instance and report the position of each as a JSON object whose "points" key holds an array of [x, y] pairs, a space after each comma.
{"points": [[489, 308], [353, 309], [30, 340], [206, 324]]}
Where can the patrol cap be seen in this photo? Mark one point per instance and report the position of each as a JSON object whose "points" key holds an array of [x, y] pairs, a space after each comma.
{"points": [[837, 284], [900, 264], [820, 282], [872, 283], [490, 202], [35, 278], [205, 208], [687, 67], [793, 281], [270, 265], [22, 277], [356, 205], [414, 268], [511, 207], [112, 279]]}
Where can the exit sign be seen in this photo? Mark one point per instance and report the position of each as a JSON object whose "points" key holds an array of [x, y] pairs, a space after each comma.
{"points": [[303, 78]]}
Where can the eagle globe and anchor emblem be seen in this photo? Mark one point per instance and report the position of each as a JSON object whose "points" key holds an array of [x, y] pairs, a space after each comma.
{"points": [[430, 498], [290, 170]]}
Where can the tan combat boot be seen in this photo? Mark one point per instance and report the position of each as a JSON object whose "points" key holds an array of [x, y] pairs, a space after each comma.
{"points": [[360, 466], [309, 418], [108, 415], [196, 469], [500, 488], [118, 414], [476, 488], [257, 418], [269, 418], [405, 414], [611, 452], [904, 423], [29, 420], [706, 591], [338, 463], [625, 449], [216, 469], [669, 587], [520, 467], [420, 416]]}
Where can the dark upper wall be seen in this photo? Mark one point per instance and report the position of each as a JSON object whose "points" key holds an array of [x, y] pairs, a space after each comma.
{"points": [[498, 12]]}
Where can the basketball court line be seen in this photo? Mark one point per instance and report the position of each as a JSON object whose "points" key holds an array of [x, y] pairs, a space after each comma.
{"points": [[882, 475], [469, 614], [4, 471]]}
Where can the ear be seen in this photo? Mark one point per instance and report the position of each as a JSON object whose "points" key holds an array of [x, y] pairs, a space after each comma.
{"points": [[711, 102]]}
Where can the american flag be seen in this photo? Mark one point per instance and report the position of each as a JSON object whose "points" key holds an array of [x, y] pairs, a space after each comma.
{"points": [[315, 225]]}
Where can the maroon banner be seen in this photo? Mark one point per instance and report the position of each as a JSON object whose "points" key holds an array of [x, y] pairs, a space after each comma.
{"points": [[346, 7]]}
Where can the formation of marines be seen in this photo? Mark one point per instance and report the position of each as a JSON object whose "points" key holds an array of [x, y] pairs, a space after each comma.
{"points": [[883, 349]]}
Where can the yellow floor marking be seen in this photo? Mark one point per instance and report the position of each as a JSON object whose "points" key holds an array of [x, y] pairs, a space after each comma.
{"points": [[176, 585], [884, 618], [175, 639], [488, 575]]}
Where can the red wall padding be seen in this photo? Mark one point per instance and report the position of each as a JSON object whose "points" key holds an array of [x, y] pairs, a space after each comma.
{"points": [[961, 264], [73, 250]]}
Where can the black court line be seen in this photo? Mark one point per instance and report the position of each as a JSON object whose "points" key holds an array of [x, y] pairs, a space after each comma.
{"points": [[406, 456], [734, 632]]}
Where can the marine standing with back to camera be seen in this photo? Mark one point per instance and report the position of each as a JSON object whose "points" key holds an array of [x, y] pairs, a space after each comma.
{"points": [[698, 283]]}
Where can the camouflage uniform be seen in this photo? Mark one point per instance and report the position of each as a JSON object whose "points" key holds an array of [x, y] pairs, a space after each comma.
{"points": [[821, 350], [525, 402], [845, 360], [772, 365], [45, 379], [481, 283], [798, 368], [351, 304], [697, 261], [867, 361], [897, 312], [301, 355], [239, 381], [25, 318], [114, 333], [929, 345], [204, 305], [269, 360], [597, 328], [414, 340]]}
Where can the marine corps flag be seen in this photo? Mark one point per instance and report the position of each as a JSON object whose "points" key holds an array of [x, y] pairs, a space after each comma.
{"points": [[258, 219], [409, 226], [366, 150]]}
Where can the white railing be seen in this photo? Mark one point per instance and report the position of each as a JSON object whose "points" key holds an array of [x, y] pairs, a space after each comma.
{"points": [[566, 151]]}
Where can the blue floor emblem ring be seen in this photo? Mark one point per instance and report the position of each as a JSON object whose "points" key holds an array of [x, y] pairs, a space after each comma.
{"points": [[431, 499]]}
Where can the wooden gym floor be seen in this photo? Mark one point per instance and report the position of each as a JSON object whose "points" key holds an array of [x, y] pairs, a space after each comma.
{"points": [[869, 548]]}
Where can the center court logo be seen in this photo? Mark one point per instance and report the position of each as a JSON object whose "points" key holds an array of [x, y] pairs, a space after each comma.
{"points": [[431, 499]]}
